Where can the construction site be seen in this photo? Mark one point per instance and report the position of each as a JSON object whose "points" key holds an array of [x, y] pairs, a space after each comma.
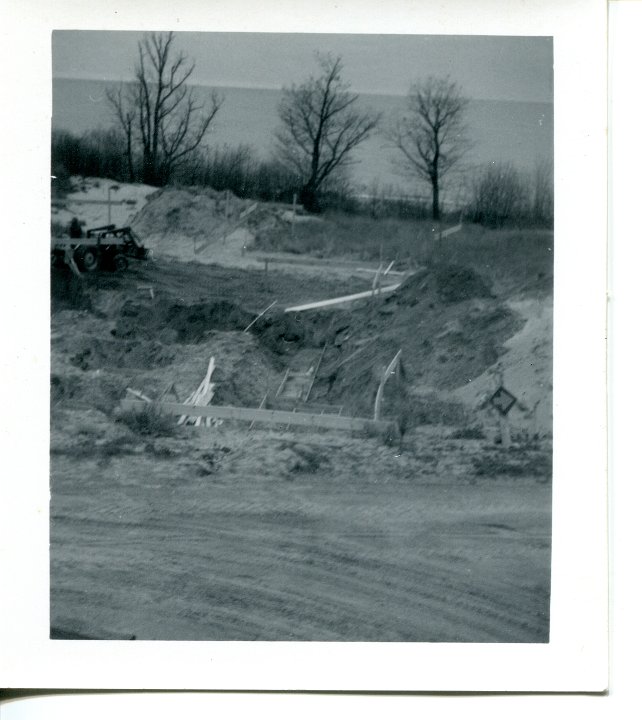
{"points": [[252, 444]]}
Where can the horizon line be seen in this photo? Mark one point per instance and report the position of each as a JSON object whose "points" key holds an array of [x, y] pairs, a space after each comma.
{"points": [[236, 86]]}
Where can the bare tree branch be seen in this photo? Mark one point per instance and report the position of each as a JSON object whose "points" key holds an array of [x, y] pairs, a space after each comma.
{"points": [[159, 114], [431, 138], [320, 128]]}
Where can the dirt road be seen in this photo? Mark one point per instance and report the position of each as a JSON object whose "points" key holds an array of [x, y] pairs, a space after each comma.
{"points": [[279, 538]]}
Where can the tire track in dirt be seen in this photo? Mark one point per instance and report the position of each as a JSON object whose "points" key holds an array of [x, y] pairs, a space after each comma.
{"points": [[261, 558]]}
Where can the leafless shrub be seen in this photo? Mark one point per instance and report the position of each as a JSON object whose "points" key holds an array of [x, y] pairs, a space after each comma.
{"points": [[500, 196]]}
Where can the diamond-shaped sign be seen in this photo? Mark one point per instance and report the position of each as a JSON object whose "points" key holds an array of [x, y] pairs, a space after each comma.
{"points": [[502, 400]]}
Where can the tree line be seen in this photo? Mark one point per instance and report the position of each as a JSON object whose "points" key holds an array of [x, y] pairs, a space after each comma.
{"points": [[160, 125]]}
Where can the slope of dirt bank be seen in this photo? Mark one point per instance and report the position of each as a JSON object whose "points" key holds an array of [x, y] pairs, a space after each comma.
{"points": [[449, 329], [525, 369]]}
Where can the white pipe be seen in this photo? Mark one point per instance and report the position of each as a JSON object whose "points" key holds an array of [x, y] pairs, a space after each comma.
{"points": [[340, 300]]}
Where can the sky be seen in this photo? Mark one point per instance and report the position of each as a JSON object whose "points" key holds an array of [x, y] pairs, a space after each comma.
{"points": [[486, 68]]}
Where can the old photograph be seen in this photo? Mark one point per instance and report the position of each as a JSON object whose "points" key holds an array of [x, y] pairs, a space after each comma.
{"points": [[301, 337]]}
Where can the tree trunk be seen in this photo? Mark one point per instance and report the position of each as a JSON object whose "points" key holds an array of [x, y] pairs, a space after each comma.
{"points": [[150, 171], [309, 199], [436, 215], [130, 155]]}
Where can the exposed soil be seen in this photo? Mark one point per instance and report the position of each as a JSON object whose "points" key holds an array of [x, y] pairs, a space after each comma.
{"points": [[168, 532], [297, 537]]}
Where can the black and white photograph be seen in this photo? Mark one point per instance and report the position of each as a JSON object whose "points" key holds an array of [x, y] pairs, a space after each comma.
{"points": [[319, 357], [301, 356]]}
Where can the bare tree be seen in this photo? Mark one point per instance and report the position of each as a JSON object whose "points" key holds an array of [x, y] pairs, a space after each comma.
{"points": [[321, 126], [159, 115], [124, 108], [431, 136]]}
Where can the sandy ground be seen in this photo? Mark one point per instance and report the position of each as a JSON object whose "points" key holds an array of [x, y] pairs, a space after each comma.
{"points": [[95, 214], [271, 534], [237, 536], [525, 369]]}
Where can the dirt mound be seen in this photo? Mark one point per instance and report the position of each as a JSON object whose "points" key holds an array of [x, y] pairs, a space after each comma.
{"points": [[450, 330], [175, 322], [525, 368], [190, 212], [445, 284], [267, 219], [73, 387], [96, 353], [287, 333]]}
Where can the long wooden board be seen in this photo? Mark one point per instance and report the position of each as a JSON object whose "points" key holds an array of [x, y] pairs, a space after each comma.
{"points": [[284, 259], [280, 417], [450, 231]]}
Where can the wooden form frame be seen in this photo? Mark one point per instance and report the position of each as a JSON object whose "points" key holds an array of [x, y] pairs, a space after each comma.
{"points": [[273, 417]]}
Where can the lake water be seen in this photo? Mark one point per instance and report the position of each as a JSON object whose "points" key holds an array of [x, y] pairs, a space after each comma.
{"points": [[499, 131]]}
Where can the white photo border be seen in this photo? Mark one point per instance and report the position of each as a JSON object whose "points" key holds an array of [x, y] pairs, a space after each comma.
{"points": [[576, 657]]}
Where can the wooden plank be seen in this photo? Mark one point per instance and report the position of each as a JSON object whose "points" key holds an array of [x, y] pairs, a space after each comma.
{"points": [[282, 385], [83, 201], [201, 396], [340, 300], [146, 288], [376, 281], [286, 259], [450, 231], [137, 394], [248, 211], [280, 417], [316, 370]]}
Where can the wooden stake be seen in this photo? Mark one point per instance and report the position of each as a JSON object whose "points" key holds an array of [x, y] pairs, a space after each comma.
{"points": [[271, 305], [386, 374], [261, 406], [376, 283], [504, 428], [69, 259]]}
